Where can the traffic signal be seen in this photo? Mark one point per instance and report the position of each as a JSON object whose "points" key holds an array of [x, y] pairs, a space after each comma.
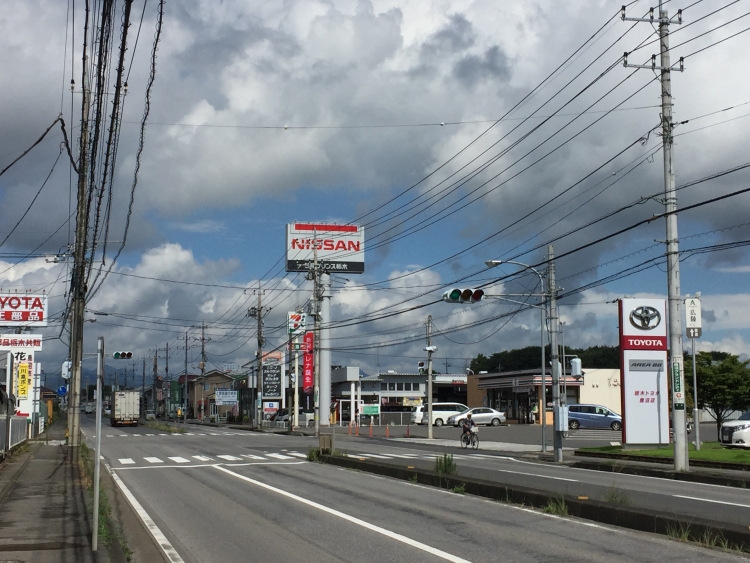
{"points": [[122, 355], [458, 295]]}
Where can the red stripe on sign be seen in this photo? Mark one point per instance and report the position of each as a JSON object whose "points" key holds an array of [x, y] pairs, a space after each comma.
{"points": [[329, 228], [643, 343]]}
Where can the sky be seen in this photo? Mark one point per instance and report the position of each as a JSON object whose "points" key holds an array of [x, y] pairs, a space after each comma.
{"points": [[453, 132]]}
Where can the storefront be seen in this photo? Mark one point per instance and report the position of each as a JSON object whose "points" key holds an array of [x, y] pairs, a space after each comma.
{"points": [[518, 393]]}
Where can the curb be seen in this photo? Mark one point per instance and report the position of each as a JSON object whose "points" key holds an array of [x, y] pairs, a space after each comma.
{"points": [[612, 466], [666, 460], [598, 511]]}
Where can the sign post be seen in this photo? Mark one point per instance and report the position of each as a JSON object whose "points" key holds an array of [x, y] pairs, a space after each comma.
{"points": [[693, 327]]}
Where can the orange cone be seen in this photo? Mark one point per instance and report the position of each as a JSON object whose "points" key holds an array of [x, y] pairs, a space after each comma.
{"points": [[387, 434], [350, 428], [357, 430]]}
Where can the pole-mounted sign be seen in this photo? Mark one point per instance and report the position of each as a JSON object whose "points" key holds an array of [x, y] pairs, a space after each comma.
{"points": [[693, 317]]}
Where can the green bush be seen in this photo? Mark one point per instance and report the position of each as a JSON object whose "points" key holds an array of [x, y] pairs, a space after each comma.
{"points": [[446, 465]]}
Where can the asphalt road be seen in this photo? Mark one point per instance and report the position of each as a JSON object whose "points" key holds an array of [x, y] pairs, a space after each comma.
{"points": [[222, 495]]}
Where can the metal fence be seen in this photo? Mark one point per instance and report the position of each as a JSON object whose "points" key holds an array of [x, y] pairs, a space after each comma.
{"points": [[18, 431]]}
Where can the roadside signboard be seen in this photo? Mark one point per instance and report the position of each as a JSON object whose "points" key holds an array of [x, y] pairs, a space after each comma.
{"points": [[338, 248], [308, 364], [296, 323], [272, 382], [693, 317], [23, 310], [62, 391], [225, 397], [645, 372], [21, 342]]}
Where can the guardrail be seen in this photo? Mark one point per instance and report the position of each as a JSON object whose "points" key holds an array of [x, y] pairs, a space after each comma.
{"points": [[18, 431], [274, 424]]}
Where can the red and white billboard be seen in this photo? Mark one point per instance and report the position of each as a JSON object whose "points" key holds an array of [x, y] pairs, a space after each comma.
{"points": [[23, 310], [308, 364], [338, 248], [643, 364]]}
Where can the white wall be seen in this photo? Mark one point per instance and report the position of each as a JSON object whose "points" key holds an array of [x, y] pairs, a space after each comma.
{"points": [[602, 387]]}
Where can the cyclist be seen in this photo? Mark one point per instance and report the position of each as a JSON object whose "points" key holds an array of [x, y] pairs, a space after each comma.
{"points": [[467, 424]]}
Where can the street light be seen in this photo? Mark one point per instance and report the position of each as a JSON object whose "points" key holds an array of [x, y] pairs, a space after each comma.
{"points": [[542, 317]]}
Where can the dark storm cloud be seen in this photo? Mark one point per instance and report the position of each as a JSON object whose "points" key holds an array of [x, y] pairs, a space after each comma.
{"points": [[492, 65], [709, 316], [456, 36]]}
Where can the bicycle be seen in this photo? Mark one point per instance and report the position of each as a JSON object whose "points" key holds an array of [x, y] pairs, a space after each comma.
{"points": [[472, 438]]}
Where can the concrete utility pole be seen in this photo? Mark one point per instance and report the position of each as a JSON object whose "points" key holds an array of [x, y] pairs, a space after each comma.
{"points": [[324, 346], [154, 402], [143, 390], [169, 383], [257, 312], [184, 383], [78, 283], [430, 349], [676, 372], [558, 432], [203, 369]]}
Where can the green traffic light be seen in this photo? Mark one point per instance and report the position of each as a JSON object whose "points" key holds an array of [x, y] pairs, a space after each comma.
{"points": [[455, 294]]}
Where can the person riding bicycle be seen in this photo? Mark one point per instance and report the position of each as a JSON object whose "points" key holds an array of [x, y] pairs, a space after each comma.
{"points": [[467, 424]]}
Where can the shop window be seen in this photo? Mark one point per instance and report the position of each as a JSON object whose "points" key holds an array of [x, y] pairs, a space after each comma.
{"points": [[399, 386], [391, 387]]}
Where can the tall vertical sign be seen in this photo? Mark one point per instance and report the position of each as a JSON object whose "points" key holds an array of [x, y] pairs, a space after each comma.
{"points": [[644, 368], [308, 363]]}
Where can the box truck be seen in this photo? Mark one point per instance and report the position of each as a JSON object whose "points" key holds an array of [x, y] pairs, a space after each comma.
{"points": [[126, 406]]}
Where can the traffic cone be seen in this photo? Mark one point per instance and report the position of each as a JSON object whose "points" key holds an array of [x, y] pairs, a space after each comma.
{"points": [[357, 430], [407, 431], [387, 433]]}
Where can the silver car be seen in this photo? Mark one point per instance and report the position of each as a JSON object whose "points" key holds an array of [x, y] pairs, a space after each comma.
{"points": [[480, 415], [736, 433]]}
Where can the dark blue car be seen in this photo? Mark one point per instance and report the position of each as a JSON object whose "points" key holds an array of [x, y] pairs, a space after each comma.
{"points": [[593, 416]]}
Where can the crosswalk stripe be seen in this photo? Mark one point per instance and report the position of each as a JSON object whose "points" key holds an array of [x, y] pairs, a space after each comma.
{"points": [[279, 456], [124, 435], [149, 434], [375, 456], [179, 459], [110, 435], [229, 457], [202, 458], [126, 461], [153, 460], [251, 456], [298, 454], [404, 456]]}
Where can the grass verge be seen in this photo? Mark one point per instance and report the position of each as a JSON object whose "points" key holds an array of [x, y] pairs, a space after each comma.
{"points": [[557, 507], [710, 451], [446, 465], [108, 531]]}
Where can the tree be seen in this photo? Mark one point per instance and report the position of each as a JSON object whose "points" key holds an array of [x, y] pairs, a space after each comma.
{"points": [[529, 358], [723, 384]]}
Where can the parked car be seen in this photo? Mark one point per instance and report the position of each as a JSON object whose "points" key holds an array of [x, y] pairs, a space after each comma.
{"points": [[441, 412], [107, 410], [593, 416], [736, 433], [480, 415], [417, 413], [284, 416], [89, 408], [150, 415]]}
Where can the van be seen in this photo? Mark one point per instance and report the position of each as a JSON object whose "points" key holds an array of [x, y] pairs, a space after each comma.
{"points": [[417, 413], [441, 412], [593, 416]]}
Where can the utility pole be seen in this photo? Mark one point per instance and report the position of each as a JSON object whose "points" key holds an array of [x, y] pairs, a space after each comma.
{"points": [[430, 349], [143, 389], [203, 369], [78, 283], [554, 353], [676, 371], [169, 383], [184, 383], [257, 312], [153, 386]]}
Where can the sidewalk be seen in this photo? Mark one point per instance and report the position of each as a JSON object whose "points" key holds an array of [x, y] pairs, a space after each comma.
{"points": [[46, 515]]}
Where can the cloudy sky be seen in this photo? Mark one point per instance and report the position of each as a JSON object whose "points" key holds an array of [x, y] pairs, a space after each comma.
{"points": [[454, 132]]}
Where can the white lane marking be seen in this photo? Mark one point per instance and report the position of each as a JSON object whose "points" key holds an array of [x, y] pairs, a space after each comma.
{"points": [[200, 465], [714, 501], [354, 520], [214, 434], [154, 434], [279, 456], [126, 461], [159, 537], [112, 435], [298, 454], [251, 456], [191, 434], [202, 458], [179, 460], [126, 435], [229, 457], [535, 475], [374, 455], [405, 456], [153, 460]]}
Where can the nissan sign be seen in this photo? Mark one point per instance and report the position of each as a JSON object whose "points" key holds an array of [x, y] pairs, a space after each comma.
{"points": [[336, 248]]}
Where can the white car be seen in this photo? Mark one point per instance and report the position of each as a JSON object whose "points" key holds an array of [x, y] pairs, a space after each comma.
{"points": [[150, 415], [480, 415], [736, 433]]}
